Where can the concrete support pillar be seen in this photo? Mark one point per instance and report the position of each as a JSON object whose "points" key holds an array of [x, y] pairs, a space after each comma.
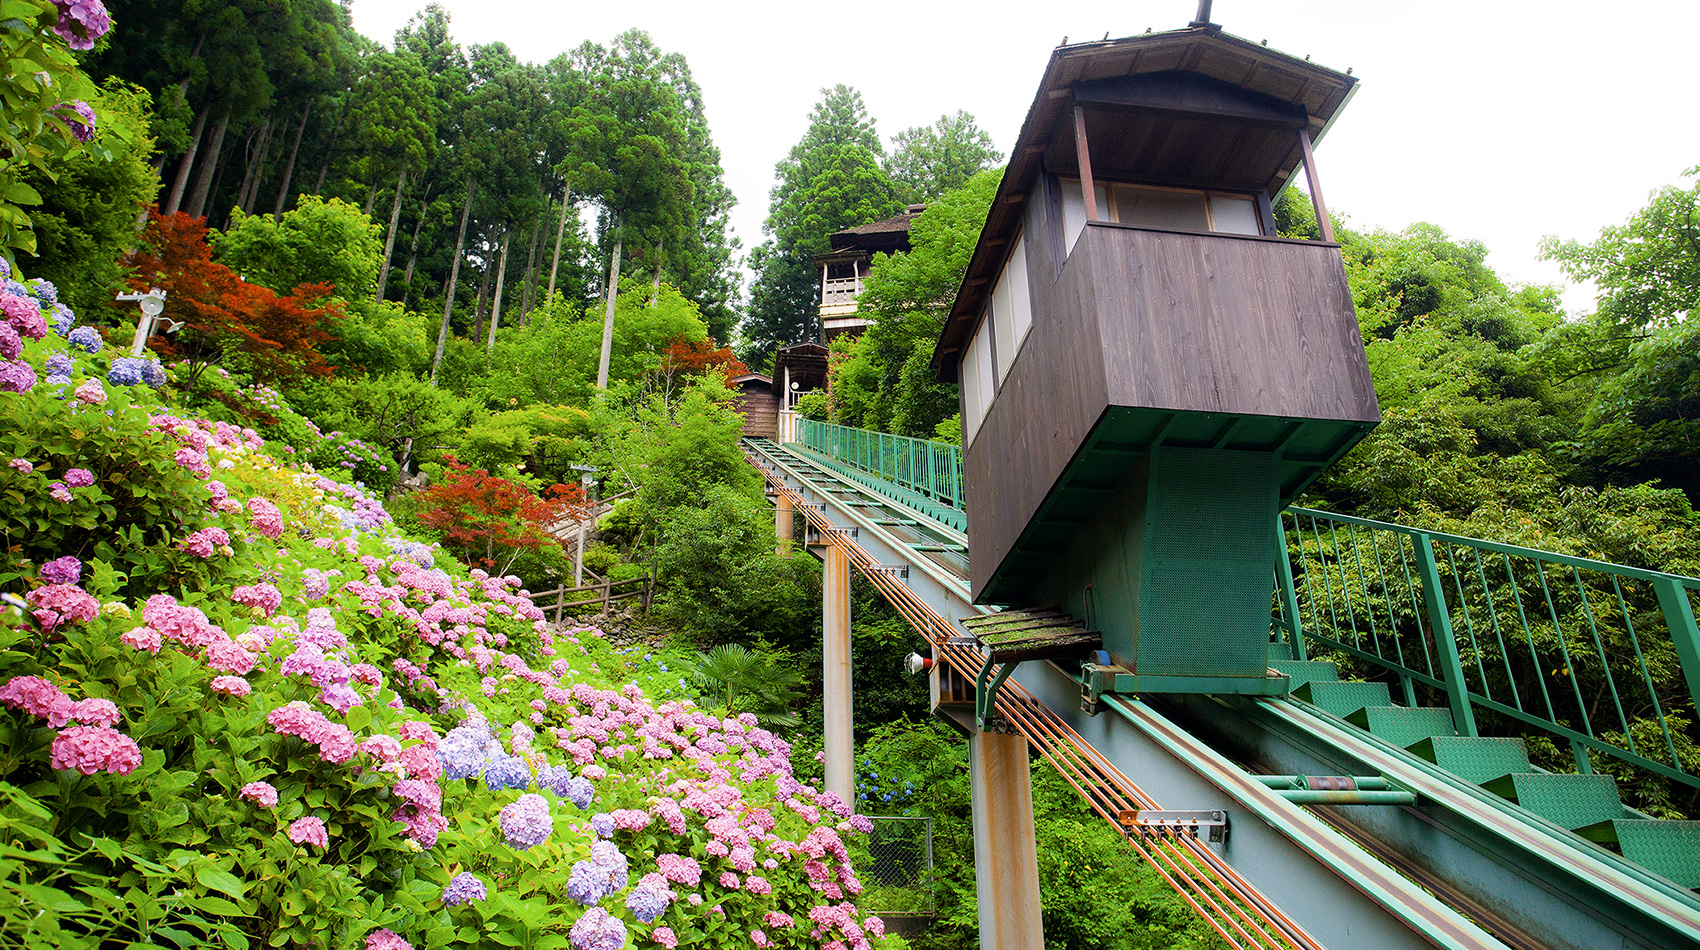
{"points": [[1006, 860], [840, 747], [782, 524]]}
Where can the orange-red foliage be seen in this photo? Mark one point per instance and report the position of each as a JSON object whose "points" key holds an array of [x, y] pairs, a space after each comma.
{"points": [[278, 337], [688, 358], [489, 521]]}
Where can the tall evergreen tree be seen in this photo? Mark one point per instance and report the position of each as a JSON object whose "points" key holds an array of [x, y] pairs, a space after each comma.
{"points": [[928, 161]]}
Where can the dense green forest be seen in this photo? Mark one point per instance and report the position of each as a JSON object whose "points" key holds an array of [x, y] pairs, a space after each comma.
{"points": [[379, 257]]}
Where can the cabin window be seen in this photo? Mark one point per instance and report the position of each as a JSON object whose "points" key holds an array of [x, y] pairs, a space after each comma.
{"points": [[1012, 309], [1170, 209], [977, 381]]}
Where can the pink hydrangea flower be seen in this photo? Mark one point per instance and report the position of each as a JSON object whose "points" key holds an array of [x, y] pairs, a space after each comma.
{"points": [[62, 570], [665, 937], [91, 749], [58, 603], [60, 493], [231, 685], [757, 885], [79, 477], [39, 698], [91, 392], [262, 597], [226, 656], [24, 466], [268, 520], [206, 542], [386, 940], [260, 793], [309, 830], [95, 712], [142, 638]]}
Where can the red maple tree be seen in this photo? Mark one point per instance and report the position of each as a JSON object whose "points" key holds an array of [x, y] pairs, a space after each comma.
{"points": [[697, 357], [273, 337], [490, 521]]}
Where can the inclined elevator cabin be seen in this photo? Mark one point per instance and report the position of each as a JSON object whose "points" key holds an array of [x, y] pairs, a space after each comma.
{"points": [[1148, 372]]}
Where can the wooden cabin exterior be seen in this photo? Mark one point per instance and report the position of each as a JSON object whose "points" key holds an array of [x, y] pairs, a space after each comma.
{"points": [[758, 403], [1148, 372], [844, 268]]}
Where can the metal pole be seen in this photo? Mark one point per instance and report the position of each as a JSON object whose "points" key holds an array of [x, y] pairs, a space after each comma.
{"points": [[1006, 858], [578, 557], [1445, 644], [782, 525]]}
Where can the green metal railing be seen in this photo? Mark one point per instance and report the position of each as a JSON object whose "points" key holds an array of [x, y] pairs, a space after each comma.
{"points": [[1601, 657], [932, 469]]}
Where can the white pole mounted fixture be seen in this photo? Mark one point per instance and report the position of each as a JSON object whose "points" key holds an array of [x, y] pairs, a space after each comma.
{"points": [[152, 304]]}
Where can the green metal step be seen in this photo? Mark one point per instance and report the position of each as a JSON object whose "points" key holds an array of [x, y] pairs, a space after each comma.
{"points": [[1300, 672], [1475, 758], [1280, 652], [1343, 699], [1670, 848], [1404, 726], [1570, 801]]}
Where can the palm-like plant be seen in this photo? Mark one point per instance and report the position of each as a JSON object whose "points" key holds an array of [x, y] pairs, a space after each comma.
{"points": [[742, 680]]}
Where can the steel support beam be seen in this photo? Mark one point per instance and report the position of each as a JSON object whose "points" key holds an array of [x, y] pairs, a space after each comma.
{"points": [[835, 676], [1006, 858]]}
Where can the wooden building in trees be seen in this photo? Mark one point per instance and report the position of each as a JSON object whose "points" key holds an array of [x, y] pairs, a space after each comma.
{"points": [[758, 402], [848, 264], [1148, 371]]}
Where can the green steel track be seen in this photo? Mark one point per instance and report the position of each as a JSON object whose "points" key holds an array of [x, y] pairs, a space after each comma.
{"points": [[1460, 867]]}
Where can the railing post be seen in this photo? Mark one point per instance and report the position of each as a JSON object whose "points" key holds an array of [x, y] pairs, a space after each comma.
{"points": [[1679, 617], [560, 598], [1289, 596], [1445, 644]]}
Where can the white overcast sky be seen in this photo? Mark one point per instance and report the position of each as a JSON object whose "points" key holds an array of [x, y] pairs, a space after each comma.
{"points": [[1498, 121]]}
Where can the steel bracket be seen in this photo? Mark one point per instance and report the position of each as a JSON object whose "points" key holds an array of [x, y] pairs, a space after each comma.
{"points": [[986, 685], [895, 570], [1095, 681], [1151, 821]]}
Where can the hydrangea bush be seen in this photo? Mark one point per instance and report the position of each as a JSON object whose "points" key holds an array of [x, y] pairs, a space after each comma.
{"points": [[237, 706]]}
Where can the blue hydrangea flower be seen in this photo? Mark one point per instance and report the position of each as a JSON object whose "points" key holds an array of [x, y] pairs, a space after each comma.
{"points": [[153, 374], [60, 364], [603, 824], [647, 903], [60, 318], [86, 339], [126, 371], [44, 291], [464, 888], [611, 863], [16, 289], [509, 771], [586, 884], [581, 791]]}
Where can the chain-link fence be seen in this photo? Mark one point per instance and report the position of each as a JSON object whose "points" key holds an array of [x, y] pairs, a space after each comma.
{"points": [[895, 865]]}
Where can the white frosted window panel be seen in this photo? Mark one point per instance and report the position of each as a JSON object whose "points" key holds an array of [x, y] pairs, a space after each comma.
{"points": [[1021, 305], [1001, 311], [988, 386], [1169, 210], [1074, 208], [976, 379], [1234, 215]]}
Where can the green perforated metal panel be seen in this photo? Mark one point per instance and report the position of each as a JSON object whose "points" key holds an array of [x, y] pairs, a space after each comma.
{"points": [[1204, 563], [1475, 758], [1343, 699], [1404, 726], [1300, 672], [1670, 848], [1570, 801]]}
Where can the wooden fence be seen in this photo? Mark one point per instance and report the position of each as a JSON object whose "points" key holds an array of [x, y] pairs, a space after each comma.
{"points": [[603, 593]]}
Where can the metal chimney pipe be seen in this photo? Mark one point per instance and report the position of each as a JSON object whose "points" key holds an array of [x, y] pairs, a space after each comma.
{"points": [[1203, 18]]}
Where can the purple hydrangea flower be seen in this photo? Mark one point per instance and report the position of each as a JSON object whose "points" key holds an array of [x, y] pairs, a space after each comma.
{"points": [[647, 903], [79, 477], [153, 374], [81, 22], [586, 884], [11, 344], [598, 930], [60, 364], [16, 376], [555, 778], [603, 824], [62, 319], [463, 888], [79, 118], [86, 339], [62, 570], [611, 862], [581, 791], [43, 289], [507, 772], [462, 752], [527, 822]]}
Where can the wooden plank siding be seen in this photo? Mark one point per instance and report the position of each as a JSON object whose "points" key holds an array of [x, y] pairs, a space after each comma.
{"points": [[759, 405], [1160, 320]]}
